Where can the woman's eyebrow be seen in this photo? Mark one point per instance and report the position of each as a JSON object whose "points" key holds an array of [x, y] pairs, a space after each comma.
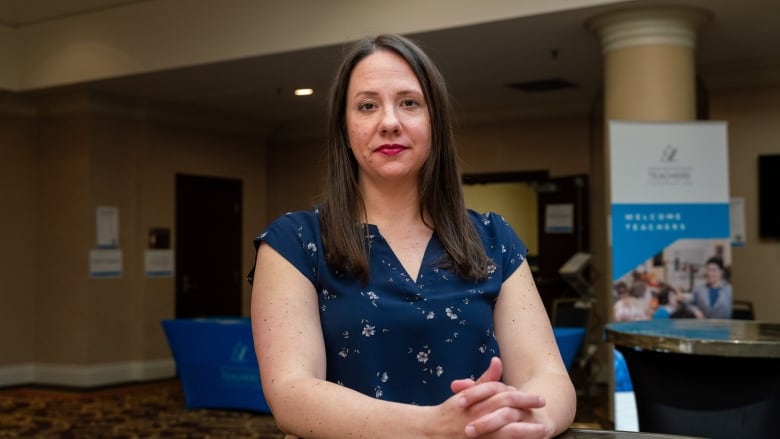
{"points": [[371, 92]]}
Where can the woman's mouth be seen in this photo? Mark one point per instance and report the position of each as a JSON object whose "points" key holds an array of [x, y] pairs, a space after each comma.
{"points": [[390, 149]]}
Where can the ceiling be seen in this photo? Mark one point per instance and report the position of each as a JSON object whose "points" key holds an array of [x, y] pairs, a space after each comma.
{"points": [[739, 47], [16, 13]]}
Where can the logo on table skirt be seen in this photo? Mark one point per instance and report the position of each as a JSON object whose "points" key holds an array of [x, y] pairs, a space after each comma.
{"points": [[240, 351], [240, 376]]}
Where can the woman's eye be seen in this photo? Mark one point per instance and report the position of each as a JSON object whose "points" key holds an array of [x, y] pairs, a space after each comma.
{"points": [[409, 103], [366, 106]]}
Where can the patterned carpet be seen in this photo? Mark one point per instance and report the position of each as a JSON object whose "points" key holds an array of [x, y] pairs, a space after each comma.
{"points": [[157, 410], [154, 410]]}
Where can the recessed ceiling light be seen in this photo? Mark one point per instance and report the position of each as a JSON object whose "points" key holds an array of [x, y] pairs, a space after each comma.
{"points": [[304, 91]]}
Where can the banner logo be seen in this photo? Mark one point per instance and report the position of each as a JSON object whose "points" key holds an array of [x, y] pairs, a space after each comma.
{"points": [[669, 154], [669, 172]]}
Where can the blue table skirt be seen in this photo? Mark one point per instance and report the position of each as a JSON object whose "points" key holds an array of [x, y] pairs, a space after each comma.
{"points": [[216, 362]]}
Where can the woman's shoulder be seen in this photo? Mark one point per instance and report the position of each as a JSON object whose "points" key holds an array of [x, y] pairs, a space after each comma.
{"points": [[301, 222], [295, 236], [499, 239], [488, 222], [301, 216], [493, 228]]}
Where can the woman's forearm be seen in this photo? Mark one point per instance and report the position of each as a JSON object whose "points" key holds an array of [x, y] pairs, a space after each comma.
{"points": [[560, 397], [312, 408]]}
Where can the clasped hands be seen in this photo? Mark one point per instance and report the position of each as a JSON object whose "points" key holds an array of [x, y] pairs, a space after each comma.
{"points": [[493, 409]]}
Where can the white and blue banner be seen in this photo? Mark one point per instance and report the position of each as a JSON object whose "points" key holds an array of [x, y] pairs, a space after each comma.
{"points": [[669, 183]]}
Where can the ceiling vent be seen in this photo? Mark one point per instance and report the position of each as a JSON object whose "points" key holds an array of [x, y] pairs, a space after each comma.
{"points": [[542, 85]]}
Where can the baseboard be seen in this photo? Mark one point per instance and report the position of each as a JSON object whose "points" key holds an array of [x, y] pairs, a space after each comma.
{"points": [[16, 374], [86, 376]]}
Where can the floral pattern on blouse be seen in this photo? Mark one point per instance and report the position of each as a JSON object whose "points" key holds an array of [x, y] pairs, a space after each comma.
{"points": [[398, 338]]}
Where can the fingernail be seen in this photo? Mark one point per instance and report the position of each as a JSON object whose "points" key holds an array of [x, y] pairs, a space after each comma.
{"points": [[470, 431], [462, 401]]}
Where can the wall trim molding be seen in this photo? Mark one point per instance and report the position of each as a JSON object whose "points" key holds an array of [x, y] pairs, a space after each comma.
{"points": [[643, 26], [86, 375], [16, 374]]}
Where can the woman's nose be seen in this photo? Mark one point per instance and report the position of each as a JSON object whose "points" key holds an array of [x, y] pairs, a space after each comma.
{"points": [[390, 122]]}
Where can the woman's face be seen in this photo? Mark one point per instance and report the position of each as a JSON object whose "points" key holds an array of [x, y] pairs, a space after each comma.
{"points": [[387, 119], [713, 273]]}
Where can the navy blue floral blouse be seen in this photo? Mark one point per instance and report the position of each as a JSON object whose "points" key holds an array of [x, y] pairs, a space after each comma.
{"points": [[397, 338]]}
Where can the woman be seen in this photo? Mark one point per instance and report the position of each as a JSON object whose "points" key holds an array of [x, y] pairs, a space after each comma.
{"points": [[714, 299], [391, 310]]}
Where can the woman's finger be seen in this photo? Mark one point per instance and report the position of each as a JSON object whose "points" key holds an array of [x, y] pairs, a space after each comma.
{"points": [[494, 395], [492, 373], [507, 422]]}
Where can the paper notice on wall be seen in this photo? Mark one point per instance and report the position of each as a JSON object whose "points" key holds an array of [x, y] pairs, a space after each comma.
{"points": [[559, 218], [158, 263], [737, 221], [107, 226], [105, 263]]}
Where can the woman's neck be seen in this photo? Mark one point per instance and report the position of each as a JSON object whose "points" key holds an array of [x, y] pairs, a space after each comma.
{"points": [[391, 204]]}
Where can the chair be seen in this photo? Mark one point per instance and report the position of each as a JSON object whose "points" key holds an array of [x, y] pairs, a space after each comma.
{"points": [[574, 312], [569, 311], [742, 310]]}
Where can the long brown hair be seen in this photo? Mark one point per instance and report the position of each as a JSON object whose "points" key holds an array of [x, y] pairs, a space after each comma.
{"points": [[441, 196]]}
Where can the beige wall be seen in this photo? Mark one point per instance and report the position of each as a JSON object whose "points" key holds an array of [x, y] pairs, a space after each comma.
{"points": [[18, 234], [62, 307], [753, 116], [557, 144], [295, 176], [59, 163]]}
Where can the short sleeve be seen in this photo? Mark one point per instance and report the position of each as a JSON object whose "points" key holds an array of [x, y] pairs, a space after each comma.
{"points": [[501, 242], [296, 237]]}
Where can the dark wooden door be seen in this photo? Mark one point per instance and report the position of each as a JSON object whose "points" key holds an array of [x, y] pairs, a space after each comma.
{"points": [[558, 243], [208, 246]]}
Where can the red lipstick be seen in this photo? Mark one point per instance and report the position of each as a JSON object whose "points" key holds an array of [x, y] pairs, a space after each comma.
{"points": [[390, 149]]}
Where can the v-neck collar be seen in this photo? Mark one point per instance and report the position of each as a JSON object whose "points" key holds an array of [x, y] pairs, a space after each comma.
{"points": [[374, 233]]}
